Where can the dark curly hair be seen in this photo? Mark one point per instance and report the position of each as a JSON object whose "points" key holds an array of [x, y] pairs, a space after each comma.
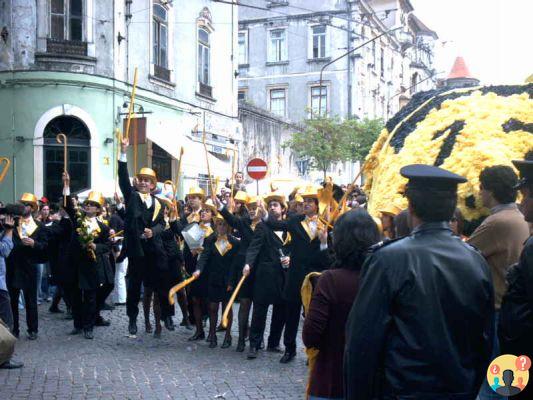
{"points": [[500, 180], [353, 234]]}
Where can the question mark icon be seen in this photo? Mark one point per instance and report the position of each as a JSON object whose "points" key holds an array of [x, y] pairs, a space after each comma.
{"points": [[495, 369], [523, 363]]}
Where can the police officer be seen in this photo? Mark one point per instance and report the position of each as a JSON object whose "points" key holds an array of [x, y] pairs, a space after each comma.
{"points": [[516, 316], [421, 325]]}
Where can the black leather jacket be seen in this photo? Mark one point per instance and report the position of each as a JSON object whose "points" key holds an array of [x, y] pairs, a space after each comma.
{"points": [[422, 324]]}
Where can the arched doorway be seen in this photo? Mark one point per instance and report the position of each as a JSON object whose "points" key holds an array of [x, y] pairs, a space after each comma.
{"points": [[79, 156], [161, 163]]}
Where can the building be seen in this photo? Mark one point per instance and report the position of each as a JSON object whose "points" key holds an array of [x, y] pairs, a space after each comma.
{"points": [[284, 45], [68, 67], [460, 76]]}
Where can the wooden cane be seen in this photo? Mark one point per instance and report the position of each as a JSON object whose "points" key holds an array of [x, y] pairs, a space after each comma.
{"points": [[128, 122], [62, 138], [178, 287], [7, 162], [231, 301], [116, 234]]}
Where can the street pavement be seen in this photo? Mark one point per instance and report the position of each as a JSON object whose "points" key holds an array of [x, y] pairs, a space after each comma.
{"points": [[116, 366]]}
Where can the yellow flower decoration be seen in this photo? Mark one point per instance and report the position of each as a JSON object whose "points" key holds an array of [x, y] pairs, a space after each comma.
{"points": [[462, 130]]}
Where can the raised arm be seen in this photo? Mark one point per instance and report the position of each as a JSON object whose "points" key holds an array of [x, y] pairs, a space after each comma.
{"points": [[123, 175]]}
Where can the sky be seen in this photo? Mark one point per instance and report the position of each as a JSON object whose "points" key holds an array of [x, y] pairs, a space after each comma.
{"points": [[495, 37]]}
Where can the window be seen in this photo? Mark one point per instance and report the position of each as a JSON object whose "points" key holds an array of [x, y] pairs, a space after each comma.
{"points": [[160, 36], [278, 102], [382, 62], [241, 96], [66, 20], [373, 54], [319, 98], [319, 41], [243, 47], [204, 56], [277, 46]]}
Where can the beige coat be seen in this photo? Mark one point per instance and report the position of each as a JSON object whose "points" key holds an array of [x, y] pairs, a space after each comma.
{"points": [[500, 238]]}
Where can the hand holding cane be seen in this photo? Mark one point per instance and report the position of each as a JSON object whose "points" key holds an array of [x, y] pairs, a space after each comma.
{"points": [[175, 289], [62, 138]]}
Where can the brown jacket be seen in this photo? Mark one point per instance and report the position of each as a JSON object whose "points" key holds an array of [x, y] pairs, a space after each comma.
{"points": [[500, 238]]}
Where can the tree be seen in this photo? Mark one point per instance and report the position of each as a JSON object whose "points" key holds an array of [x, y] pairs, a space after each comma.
{"points": [[323, 141], [326, 141], [363, 134]]}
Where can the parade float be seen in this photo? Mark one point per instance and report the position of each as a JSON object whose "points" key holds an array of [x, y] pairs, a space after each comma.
{"points": [[462, 130]]}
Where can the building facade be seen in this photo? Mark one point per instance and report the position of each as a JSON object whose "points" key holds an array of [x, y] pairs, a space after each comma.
{"points": [[283, 45], [69, 66]]}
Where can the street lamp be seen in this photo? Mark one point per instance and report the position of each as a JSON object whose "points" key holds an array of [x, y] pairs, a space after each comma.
{"points": [[344, 55]]}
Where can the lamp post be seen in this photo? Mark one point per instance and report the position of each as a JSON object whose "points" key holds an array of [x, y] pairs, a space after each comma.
{"points": [[342, 56]]}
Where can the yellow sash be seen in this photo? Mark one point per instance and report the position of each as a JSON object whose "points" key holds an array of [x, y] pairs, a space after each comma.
{"points": [[157, 208], [26, 228], [253, 225], [223, 245], [207, 230], [306, 224]]}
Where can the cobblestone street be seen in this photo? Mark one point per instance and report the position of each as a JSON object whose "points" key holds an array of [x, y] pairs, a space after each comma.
{"points": [[115, 366]]}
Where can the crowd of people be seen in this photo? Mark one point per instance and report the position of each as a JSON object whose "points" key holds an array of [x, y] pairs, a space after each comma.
{"points": [[407, 304]]}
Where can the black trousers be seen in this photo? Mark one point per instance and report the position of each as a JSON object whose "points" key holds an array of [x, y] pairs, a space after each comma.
{"points": [[103, 293], [84, 308], [6, 314], [292, 321], [257, 327], [30, 300]]}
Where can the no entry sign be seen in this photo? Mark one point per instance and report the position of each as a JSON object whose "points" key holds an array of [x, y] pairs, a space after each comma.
{"points": [[257, 169]]}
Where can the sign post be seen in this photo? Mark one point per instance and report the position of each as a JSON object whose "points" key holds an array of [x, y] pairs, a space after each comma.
{"points": [[257, 169]]}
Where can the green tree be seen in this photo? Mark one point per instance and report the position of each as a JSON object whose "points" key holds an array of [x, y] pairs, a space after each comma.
{"points": [[326, 141], [363, 134], [322, 140]]}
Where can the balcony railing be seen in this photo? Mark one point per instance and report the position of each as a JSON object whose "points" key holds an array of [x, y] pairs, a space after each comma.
{"points": [[66, 47]]}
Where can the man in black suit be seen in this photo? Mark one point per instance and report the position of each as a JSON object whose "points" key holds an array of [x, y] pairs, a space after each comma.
{"points": [[144, 222], [309, 237], [267, 254], [30, 242]]}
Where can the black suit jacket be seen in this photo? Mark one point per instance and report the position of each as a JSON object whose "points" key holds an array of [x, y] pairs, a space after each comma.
{"points": [[306, 255], [22, 259], [137, 218], [263, 256]]}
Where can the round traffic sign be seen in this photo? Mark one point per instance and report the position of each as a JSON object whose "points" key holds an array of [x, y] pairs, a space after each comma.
{"points": [[257, 168]]}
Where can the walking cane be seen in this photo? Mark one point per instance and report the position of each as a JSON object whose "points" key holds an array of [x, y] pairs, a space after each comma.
{"points": [[230, 302], [175, 289], [182, 151], [7, 162], [62, 138]]}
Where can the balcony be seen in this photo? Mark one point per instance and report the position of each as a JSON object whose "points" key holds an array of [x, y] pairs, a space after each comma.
{"points": [[66, 48]]}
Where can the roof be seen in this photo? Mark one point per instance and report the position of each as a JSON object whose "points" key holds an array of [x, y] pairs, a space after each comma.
{"points": [[419, 27], [459, 70]]}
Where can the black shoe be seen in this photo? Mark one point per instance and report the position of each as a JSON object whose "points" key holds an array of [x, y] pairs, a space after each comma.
{"points": [[10, 364], [157, 333], [120, 304], [102, 322], [197, 336], [213, 342], [108, 307], [88, 334], [32, 335], [287, 357], [75, 331], [226, 343], [132, 327], [55, 310], [240, 346], [274, 349], [252, 353], [169, 324], [148, 327]]}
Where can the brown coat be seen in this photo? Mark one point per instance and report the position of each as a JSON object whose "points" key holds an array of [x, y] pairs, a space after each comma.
{"points": [[324, 329], [500, 238]]}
